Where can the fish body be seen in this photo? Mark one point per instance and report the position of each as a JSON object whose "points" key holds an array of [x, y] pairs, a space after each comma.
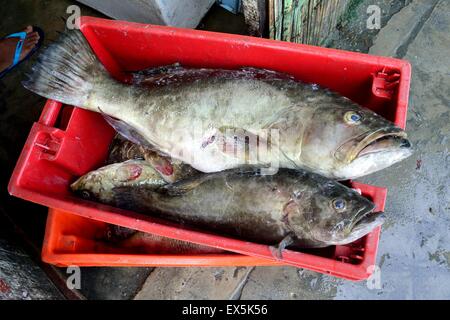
{"points": [[215, 119], [315, 211]]}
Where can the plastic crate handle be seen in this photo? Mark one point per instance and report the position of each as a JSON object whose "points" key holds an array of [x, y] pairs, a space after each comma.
{"points": [[50, 113]]}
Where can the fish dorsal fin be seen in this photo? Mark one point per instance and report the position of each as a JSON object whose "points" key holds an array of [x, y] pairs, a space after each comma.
{"points": [[174, 74], [154, 72], [126, 131], [264, 74]]}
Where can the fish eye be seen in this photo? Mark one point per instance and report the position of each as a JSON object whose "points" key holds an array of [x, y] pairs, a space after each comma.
{"points": [[339, 204], [85, 194], [352, 117]]}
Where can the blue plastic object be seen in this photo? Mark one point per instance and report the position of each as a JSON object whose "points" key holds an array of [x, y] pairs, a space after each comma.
{"points": [[230, 5]]}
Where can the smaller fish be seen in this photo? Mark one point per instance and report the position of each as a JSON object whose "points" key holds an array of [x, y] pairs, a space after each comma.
{"points": [[292, 208], [153, 244], [171, 170], [99, 184]]}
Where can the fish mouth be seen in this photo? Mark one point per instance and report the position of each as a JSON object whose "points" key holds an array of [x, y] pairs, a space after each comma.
{"points": [[382, 140], [77, 184], [366, 223], [365, 215]]}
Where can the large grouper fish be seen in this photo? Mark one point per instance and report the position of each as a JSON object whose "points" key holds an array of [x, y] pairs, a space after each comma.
{"points": [[292, 207], [215, 119]]}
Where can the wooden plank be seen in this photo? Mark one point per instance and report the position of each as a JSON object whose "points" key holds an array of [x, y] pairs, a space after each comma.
{"points": [[304, 21], [287, 19], [271, 19], [278, 19], [316, 24]]}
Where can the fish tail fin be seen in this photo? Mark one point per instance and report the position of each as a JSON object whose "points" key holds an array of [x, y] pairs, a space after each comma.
{"points": [[65, 70]]}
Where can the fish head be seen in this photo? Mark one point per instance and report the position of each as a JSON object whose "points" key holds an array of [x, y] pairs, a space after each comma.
{"points": [[98, 185], [346, 141], [334, 215]]}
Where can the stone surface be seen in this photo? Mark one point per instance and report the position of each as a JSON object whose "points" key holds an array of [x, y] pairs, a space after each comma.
{"points": [[288, 283], [194, 283], [402, 28], [415, 243], [352, 33], [112, 283]]}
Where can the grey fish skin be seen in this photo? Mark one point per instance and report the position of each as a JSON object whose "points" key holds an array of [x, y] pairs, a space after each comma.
{"points": [[171, 170], [318, 130], [315, 211]]}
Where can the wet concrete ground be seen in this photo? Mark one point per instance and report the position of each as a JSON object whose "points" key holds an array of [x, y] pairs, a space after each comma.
{"points": [[414, 252]]}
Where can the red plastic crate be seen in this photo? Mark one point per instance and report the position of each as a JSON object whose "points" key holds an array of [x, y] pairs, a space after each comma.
{"points": [[75, 240], [71, 239], [68, 142]]}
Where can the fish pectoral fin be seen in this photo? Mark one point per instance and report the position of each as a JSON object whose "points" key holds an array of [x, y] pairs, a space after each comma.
{"points": [[126, 131], [277, 250], [238, 143]]}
